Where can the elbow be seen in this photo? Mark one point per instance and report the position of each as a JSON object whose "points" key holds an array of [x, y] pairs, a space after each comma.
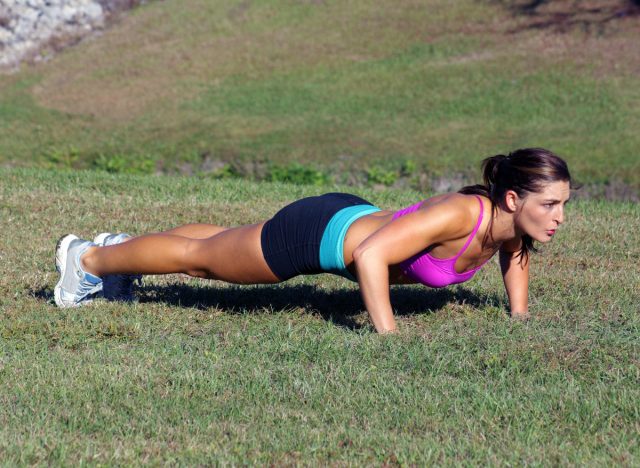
{"points": [[367, 256], [357, 253], [360, 253]]}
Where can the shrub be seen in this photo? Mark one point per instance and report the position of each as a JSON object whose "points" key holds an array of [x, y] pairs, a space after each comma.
{"points": [[297, 173], [121, 164], [380, 175]]}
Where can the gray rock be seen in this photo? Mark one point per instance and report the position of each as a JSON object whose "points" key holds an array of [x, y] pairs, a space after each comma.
{"points": [[28, 26]]}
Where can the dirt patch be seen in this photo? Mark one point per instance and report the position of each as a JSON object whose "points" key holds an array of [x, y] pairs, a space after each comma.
{"points": [[614, 190], [143, 61], [598, 36], [115, 6], [239, 11], [590, 16]]}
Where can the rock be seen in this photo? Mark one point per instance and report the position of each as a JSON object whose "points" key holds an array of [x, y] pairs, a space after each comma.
{"points": [[94, 11], [69, 13], [5, 35], [29, 26]]}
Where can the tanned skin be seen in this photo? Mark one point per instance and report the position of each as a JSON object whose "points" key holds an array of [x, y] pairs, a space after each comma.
{"points": [[373, 247]]}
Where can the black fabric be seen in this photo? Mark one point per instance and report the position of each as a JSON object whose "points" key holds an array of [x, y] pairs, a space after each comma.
{"points": [[291, 239]]}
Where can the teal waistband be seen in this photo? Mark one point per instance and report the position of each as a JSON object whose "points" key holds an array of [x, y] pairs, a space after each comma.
{"points": [[332, 243]]}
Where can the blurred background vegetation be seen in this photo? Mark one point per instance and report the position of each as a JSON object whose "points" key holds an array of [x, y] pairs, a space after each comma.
{"points": [[401, 93]]}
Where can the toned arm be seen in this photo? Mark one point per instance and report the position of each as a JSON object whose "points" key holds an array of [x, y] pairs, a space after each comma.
{"points": [[406, 236], [516, 281]]}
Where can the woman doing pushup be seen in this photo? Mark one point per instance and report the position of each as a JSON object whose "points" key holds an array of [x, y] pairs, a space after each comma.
{"points": [[440, 241]]}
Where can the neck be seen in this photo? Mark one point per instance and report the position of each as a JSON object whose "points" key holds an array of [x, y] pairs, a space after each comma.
{"points": [[503, 228]]}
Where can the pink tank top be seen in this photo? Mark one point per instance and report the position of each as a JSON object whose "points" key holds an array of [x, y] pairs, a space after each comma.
{"points": [[437, 272]]}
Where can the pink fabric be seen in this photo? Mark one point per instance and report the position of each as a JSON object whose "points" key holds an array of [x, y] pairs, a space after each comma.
{"points": [[437, 272]]}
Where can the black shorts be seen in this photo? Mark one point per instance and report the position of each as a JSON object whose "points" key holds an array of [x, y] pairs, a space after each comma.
{"points": [[291, 239]]}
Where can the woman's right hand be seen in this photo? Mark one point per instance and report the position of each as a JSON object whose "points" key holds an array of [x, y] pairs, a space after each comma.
{"points": [[451, 218], [373, 278]]}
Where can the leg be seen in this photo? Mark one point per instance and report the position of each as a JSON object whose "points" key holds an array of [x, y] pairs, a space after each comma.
{"points": [[192, 231], [233, 255], [196, 231]]}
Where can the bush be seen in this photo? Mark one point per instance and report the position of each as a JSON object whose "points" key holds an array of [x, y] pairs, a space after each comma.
{"points": [[297, 173], [120, 164], [62, 158], [380, 175]]}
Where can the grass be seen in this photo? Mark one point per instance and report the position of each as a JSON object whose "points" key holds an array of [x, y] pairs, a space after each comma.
{"points": [[206, 373], [202, 372], [343, 86]]}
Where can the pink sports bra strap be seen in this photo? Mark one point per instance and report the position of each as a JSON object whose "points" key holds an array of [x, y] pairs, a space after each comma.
{"points": [[475, 230]]}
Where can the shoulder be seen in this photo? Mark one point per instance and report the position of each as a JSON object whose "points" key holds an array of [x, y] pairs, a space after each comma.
{"points": [[458, 205], [455, 212]]}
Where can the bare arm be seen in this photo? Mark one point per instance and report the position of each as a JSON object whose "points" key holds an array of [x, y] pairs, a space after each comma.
{"points": [[516, 281], [373, 277], [398, 241]]}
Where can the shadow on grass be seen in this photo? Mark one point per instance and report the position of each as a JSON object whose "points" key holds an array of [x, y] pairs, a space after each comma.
{"points": [[338, 306]]}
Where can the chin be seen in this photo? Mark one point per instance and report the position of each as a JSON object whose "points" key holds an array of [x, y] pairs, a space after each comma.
{"points": [[544, 238]]}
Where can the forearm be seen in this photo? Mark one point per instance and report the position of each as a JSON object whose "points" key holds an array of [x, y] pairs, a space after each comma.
{"points": [[518, 301], [373, 277], [516, 281]]}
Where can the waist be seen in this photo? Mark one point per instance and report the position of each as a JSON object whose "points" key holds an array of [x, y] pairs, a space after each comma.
{"points": [[333, 238]]}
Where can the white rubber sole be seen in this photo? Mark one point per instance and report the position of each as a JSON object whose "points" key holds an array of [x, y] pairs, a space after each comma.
{"points": [[61, 264]]}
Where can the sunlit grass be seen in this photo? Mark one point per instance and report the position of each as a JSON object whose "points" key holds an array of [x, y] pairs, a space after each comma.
{"points": [[205, 373]]}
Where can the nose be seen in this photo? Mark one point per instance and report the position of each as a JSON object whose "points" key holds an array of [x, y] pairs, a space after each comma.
{"points": [[560, 215]]}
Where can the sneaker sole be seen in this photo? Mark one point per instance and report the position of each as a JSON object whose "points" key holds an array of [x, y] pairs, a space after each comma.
{"points": [[62, 247]]}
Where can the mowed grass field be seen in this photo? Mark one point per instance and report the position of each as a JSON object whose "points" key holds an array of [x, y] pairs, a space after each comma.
{"points": [[204, 373], [185, 86]]}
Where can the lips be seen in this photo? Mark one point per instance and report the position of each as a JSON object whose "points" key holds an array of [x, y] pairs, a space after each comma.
{"points": [[551, 232]]}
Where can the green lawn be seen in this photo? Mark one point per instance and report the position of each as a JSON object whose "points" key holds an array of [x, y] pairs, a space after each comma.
{"points": [[344, 86], [200, 372]]}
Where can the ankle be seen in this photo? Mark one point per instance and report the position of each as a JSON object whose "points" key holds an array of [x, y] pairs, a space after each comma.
{"points": [[88, 261]]}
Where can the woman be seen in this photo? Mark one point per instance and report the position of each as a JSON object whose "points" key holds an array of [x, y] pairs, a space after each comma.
{"points": [[440, 241]]}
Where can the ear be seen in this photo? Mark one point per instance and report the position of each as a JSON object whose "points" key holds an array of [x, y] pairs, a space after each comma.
{"points": [[511, 200]]}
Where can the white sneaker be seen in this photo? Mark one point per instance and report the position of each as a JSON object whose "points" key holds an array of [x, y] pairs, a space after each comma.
{"points": [[117, 287], [76, 287]]}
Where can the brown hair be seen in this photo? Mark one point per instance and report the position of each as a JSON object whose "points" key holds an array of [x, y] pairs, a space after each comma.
{"points": [[523, 171]]}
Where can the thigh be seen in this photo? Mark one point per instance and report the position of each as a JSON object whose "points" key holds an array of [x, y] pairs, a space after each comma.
{"points": [[235, 255], [196, 231]]}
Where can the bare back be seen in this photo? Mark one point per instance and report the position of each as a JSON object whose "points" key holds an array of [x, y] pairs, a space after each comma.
{"points": [[474, 256]]}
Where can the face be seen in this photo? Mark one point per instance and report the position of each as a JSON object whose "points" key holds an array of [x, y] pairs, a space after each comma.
{"points": [[540, 214]]}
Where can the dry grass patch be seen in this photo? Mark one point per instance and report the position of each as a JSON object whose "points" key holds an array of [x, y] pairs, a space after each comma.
{"points": [[151, 60], [158, 53]]}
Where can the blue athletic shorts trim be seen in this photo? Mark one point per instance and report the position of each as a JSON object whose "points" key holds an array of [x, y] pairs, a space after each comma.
{"points": [[332, 243]]}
